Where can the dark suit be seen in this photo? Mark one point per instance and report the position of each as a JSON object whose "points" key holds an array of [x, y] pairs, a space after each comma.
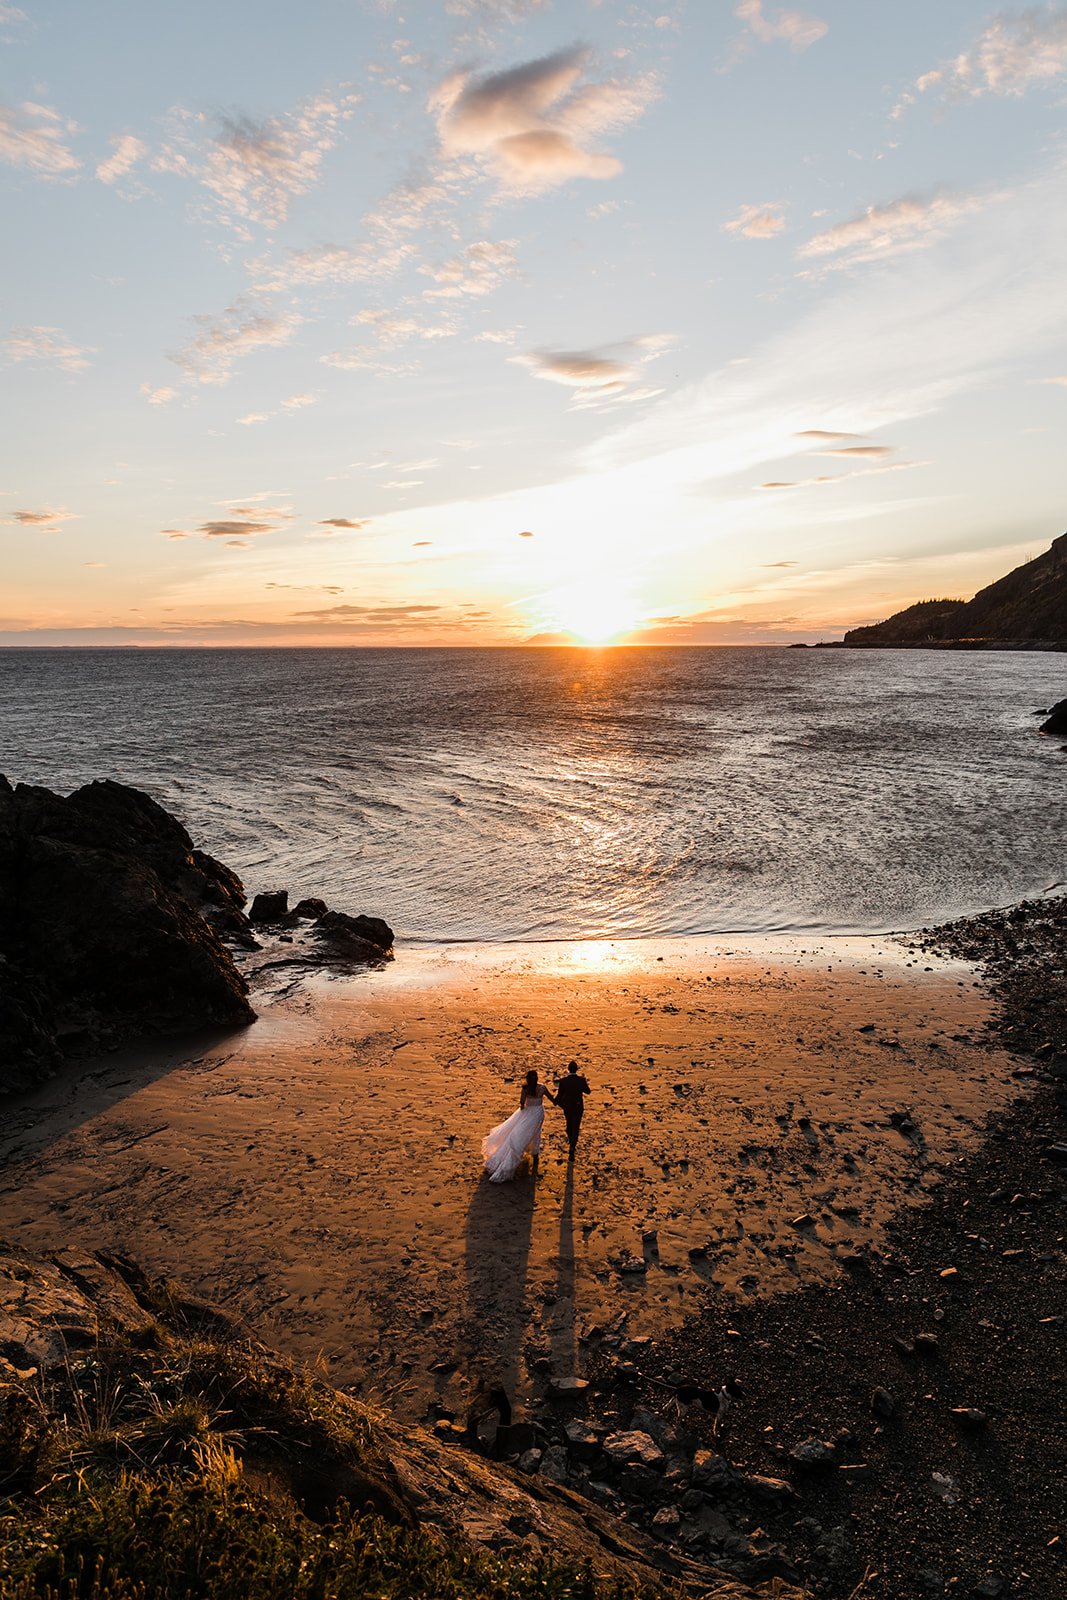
{"points": [[571, 1091]]}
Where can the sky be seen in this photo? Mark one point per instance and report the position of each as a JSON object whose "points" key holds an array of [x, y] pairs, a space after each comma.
{"points": [[475, 322]]}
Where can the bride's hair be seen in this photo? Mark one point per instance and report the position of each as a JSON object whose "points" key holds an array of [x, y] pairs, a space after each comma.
{"points": [[531, 1079]]}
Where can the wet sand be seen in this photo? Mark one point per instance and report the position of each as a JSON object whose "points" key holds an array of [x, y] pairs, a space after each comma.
{"points": [[320, 1172]]}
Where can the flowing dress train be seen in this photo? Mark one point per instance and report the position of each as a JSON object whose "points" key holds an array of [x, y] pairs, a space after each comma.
{"points": [[505, 1146]]}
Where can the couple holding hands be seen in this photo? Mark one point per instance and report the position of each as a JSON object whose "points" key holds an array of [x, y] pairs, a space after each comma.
{"points": [[505, 1147]]}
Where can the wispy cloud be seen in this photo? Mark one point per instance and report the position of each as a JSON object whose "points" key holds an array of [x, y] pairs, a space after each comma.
{"points": [[49, 518], [46, 345], [34, 137], [602, 376], [914, 222], [344, 522], [888, 348], [758, 221], [870, 452], [158, 395], [1015, 52], [126, 151], [211, 356], [537, 125], [794, 28], [240, 522], [254, 169], [478, 270]]}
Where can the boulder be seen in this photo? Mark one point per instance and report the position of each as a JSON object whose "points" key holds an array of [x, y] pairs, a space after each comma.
{"points": [[109, 926], [269, 907], [1056, 721], [632, 1448], [362, 938], [712, 1473], [770, 1491], [311, 907]]}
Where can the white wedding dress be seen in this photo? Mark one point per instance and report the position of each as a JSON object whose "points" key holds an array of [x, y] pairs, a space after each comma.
{"points": [[505, 1146]]}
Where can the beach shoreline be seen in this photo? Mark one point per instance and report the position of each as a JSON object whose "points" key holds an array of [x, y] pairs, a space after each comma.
{"points": [[319, 1172]]}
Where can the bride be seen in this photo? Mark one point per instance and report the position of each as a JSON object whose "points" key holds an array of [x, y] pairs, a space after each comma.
{"points": [[506, 1145]]}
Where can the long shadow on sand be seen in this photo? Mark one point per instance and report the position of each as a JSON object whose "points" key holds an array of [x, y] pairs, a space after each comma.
{"points": [[86, 1088], [498, 1236], [564, 1337]]}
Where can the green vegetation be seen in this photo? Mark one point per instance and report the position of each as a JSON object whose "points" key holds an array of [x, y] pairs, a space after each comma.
{"points": [[193, 1468]]}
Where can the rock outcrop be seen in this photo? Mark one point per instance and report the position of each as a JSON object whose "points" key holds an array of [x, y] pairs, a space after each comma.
{"points": [[1056, 720], [1027, 609], [111, 925]]}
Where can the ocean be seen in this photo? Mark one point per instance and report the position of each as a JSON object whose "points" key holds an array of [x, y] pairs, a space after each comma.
{"points": [[529, 794]]}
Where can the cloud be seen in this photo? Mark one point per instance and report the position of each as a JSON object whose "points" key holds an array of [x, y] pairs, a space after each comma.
{"points": [[598, 376], [297, 402], [477, 271], [1015, 52], [872, 452], [243, 521], [48, 518], [343, 522], [536, 124], [1061, 381], [34, 137], [161, 396], [126, 151], [253, 170], [526, 534], [210, 357], [913, 222], [253, 418], [793, 28], [823, 433], [45, 345], [757, 222], [228, 528], [380, 615], [779, 563]]}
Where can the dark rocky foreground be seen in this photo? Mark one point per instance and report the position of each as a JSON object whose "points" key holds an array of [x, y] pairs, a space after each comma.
{"points": [[904, 1432], [113, 925], [151, 1450]]}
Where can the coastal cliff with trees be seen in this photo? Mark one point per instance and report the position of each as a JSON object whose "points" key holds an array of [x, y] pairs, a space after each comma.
{"points": [[1025, 610]]}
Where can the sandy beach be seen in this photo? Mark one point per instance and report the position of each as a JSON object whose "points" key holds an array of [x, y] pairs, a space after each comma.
{"points": [[319, 1173]]}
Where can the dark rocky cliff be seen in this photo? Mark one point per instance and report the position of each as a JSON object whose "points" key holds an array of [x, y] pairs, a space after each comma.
{"points": [[110, 925], [1027, 608]]}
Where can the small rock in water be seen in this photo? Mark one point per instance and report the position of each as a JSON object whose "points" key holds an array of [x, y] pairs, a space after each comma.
{"points": [[529, 1461], [269, 907]]}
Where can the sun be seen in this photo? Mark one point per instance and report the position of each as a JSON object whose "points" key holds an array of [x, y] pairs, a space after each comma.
{"points": [[594, 615]]}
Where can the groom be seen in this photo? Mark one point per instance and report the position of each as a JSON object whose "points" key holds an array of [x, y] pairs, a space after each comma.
{"points": [[571, 1091]]}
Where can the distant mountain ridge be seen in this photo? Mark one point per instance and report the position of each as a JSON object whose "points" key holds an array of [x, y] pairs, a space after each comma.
{"points": [[1027, 609]]}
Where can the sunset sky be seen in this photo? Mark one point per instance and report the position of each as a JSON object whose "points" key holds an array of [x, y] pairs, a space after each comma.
{"points": [[483, 321]]}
